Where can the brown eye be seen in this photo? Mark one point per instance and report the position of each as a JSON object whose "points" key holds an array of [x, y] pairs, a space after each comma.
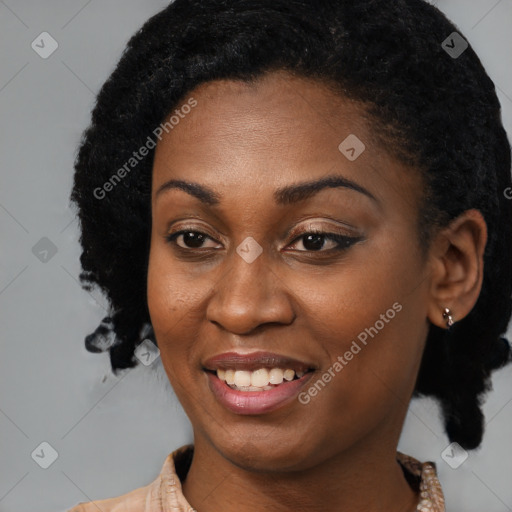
{"points": [[312, 241], [315, 241], [191, 239]]}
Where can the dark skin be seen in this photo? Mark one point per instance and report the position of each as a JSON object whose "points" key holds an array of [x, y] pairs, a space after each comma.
{"points": [[244, 141]]}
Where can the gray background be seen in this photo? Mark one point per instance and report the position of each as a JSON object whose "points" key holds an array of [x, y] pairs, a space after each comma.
{"points": [[112, 434]]}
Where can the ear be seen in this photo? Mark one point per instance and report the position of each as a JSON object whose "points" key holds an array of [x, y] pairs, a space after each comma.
{"points": [[457, 265]]}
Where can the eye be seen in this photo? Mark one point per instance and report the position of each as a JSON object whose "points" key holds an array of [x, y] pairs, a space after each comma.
{"points": [[314, 241], [191, 239]]}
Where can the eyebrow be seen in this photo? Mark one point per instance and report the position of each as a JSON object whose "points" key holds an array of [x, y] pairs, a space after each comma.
{"points": [[282, 196]]}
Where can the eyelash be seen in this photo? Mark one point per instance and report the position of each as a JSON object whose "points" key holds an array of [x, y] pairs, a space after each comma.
{"points": [[343, 242]]}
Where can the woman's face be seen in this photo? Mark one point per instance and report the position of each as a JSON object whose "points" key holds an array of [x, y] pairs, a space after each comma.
{"points": [[248, 276]]}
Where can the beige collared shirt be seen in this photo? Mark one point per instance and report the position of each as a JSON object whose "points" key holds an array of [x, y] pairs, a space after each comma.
{"points": [[164, 494]]}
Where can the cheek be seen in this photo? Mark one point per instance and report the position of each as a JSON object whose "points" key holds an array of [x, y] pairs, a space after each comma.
{"points": [[176, 302], [168, 306], [171, 295], [169, 303], [371, 373], [371, 320], [367, 295]]}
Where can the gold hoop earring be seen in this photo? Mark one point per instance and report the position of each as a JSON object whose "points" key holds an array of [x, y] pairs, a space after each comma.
{"points": [[447, 315]]}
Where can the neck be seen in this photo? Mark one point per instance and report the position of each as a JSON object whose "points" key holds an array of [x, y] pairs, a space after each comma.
{"points": [[367, 477]]}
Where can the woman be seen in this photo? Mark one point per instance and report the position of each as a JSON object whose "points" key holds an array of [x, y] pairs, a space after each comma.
{"points": [[305, 202]]}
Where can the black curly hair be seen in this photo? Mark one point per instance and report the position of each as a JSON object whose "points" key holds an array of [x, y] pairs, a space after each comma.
{"points": [[434, 111]]}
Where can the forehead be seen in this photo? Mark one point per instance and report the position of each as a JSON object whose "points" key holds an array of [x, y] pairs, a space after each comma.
{"points": [[274, 131], [276, 109]]}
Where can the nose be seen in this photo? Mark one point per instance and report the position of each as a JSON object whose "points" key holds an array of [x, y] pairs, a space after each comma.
{"points": [[249, 295]]}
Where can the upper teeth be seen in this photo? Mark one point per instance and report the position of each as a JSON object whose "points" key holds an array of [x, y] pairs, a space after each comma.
{"points": [[259, 378]]}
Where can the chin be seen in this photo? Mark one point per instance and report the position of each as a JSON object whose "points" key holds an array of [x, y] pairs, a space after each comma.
{"points": [[264, 455]]}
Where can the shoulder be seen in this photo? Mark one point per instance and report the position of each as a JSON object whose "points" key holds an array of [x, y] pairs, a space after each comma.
{"points": [[133, 501], [147, 498]]}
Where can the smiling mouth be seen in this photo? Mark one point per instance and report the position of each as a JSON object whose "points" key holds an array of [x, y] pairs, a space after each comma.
{"points": [[262, 379]]}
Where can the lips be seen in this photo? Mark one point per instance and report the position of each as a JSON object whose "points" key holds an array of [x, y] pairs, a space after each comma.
{"points": [[256, 402], [254, 361], [268, 398]]}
